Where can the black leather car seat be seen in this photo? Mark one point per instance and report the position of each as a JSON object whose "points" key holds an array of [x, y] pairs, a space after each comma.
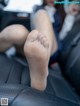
{"points": [[15, 85], [69, 58]]}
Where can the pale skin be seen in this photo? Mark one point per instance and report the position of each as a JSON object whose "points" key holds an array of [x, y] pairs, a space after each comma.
{"points": [[73, 9], [38, 45]]}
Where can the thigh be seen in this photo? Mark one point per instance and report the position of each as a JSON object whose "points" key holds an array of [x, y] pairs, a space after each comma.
{"points": [[14, 35]]}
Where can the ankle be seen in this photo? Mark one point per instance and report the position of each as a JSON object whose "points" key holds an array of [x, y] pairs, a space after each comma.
{"points": [[39, 84]]}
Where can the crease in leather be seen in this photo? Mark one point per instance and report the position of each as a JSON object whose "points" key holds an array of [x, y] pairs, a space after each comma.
{"points": [[12, 66], [16, 96]]}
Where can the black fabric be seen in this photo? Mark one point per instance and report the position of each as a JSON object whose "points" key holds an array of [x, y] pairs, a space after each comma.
{"points": [[13, 19], [15, 85]]}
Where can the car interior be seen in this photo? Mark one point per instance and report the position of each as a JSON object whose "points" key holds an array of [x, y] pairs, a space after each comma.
{"points": [[63, 85]]}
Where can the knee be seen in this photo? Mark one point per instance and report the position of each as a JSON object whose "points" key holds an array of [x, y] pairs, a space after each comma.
{"points": [[20, 31], [15, 33], [15, 30], [41, 14]]}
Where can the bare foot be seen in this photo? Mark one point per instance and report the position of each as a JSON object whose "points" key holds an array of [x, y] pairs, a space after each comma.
{"points": [[36, 51]]}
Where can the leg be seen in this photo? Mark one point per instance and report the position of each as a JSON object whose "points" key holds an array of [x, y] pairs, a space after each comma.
{"points": [[40, 44], [14, 35]]}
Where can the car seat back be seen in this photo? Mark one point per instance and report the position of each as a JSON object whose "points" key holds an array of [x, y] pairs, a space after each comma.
{"points": [[69, 58]]}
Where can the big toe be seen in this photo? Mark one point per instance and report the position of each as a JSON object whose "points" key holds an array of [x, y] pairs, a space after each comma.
{"points": [[32, 35]]}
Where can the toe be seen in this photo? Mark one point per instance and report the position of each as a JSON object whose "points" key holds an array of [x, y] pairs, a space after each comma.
{"points": [[35, 35], [32, 35], [43, 40], [46, 44]]}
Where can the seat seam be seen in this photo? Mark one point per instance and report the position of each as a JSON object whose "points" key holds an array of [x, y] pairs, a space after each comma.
{"points": [[16, 96], [9, 73]]}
